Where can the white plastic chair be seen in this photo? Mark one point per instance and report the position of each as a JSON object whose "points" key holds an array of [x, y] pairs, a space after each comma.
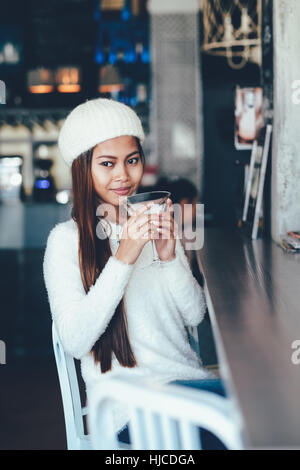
{"points": [[161, 417], [73, 411]]}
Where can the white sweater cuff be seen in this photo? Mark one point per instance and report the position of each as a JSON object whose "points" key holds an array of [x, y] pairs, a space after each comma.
{"points": [[168, 264], [121, 264]]}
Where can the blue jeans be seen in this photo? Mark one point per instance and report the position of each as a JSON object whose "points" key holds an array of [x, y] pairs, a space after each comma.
{"points": [[208, 440]]}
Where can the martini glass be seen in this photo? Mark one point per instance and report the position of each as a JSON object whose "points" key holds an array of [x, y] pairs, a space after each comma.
{"points": [[159, 204]]}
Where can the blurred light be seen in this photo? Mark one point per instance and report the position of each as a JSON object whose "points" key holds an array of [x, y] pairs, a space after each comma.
{"points": [[141, 93], [41, 89], [40, 81], [62, 197], [130, 57], [110, 88], [42, 184], [43, 151], [10, 53], [68, 79], [68, 88], [125, 15], [112, 57], [133, 101], [97, 15], [11, 161], [112, 4], [126, 12], [16, 179], [110, 80], [99, 58], [145, 56], [98, 11]]}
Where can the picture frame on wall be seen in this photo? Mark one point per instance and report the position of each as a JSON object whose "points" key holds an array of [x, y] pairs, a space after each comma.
{"points": [[251, 178], [248, 117], [254, 184]]}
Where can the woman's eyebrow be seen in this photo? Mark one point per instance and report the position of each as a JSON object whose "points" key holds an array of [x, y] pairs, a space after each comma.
{"points": [[111, 156]]}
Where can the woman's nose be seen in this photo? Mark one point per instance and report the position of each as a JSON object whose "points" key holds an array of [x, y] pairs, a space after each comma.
{"points": [[121, 172]]}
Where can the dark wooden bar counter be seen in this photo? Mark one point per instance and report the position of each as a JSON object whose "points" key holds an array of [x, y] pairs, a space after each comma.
{"points": [[253, 294]]}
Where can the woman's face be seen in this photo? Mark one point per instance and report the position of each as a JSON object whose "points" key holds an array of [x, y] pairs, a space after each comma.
{"points": [[116, 163]]}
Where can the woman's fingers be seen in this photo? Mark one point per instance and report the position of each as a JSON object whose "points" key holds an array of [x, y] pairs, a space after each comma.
{"points": [[156, 225], [143, 218], [167, 229], [137, 216], [140, 212], [142, 209], [166, 223], [166, 233], [140, 230], [165, 216], [170, 206], [169, 225]]}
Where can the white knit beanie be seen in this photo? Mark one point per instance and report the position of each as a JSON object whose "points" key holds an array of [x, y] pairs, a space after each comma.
{"points": [[93, 122]]}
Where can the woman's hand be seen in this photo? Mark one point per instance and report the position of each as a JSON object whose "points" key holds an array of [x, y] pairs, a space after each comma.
{"points": [[137, 231], [167, 230]]}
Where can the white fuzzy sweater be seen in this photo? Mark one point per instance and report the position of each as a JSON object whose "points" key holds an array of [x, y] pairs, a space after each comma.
{"points": [[160, 301]]}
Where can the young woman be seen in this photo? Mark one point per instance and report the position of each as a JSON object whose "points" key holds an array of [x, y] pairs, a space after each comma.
{"points": [[109, 313]]}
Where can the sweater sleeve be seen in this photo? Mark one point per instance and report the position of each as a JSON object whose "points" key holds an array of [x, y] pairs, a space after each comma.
{"points": [[80, 317], [184, 288]]}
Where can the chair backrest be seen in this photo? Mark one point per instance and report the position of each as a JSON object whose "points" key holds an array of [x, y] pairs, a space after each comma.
{"points": [[161, 417], [73, 411]]}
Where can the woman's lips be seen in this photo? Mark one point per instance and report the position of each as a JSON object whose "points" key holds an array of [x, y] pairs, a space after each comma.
{"points": [[121, 192]]}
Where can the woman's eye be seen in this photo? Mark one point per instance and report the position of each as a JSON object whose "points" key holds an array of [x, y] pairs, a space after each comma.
{"points": [[135, 158], [108, 164]]}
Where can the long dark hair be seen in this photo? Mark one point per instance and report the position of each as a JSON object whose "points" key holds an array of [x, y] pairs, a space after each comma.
{"points": [[93, 253]]}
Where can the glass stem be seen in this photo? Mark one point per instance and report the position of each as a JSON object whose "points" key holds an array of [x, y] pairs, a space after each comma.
{"points": [[155, 255]]}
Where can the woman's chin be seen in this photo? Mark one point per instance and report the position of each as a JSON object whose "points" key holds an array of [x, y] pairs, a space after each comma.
{"points": [[119, 200]]}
